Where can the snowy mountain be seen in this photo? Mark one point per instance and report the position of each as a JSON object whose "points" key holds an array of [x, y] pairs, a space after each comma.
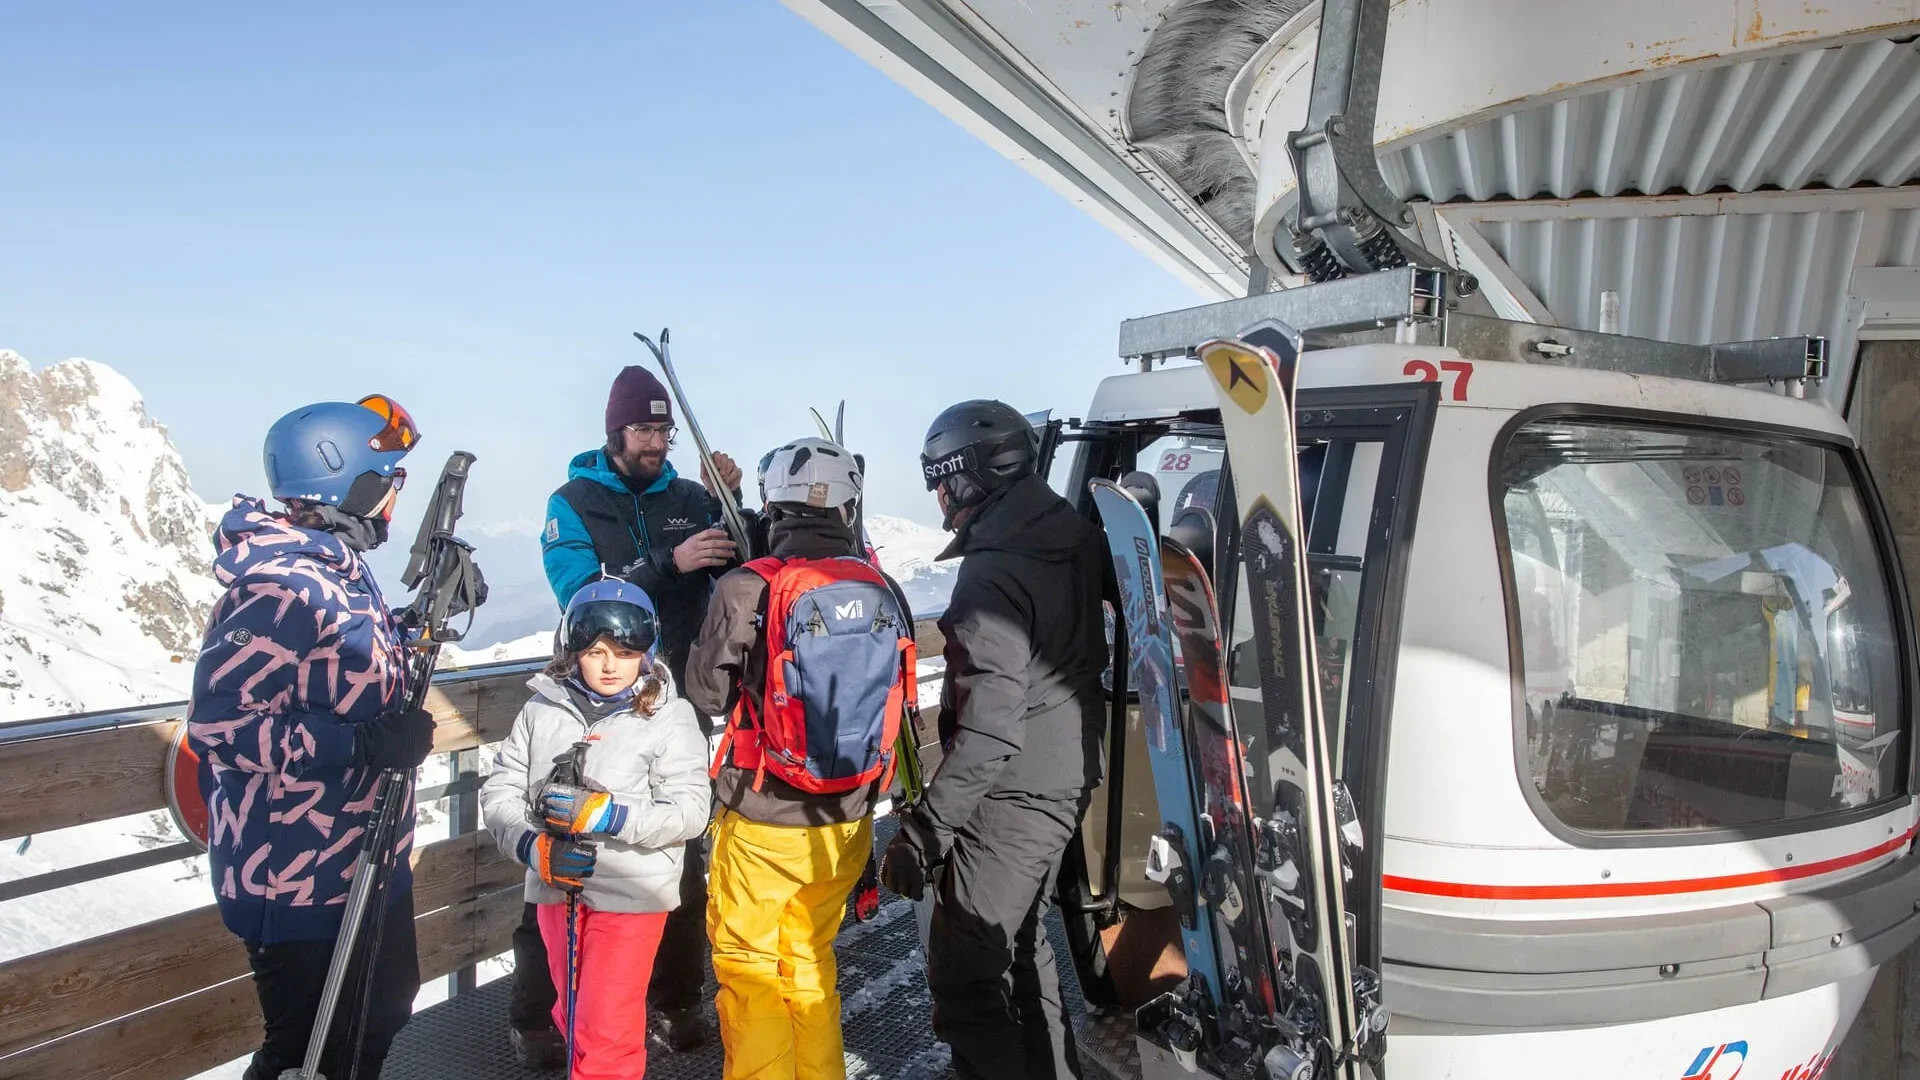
{"points": [[104, 552], [907, 550]]}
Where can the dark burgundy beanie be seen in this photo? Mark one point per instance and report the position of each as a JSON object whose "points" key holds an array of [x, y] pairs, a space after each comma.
{"points": [[637, 398]]}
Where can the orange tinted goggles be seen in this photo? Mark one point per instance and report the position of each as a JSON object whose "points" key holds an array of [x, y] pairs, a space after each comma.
{"points": [[400, 433]]}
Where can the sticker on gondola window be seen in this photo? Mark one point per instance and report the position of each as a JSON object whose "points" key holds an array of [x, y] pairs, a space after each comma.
{"points": [[1714, 485]]}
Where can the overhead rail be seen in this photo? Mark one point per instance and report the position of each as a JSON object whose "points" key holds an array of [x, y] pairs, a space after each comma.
{"points": [[1412, 306]]}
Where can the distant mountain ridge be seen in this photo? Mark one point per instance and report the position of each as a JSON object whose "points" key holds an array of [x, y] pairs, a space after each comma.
{"points": [[906, 548], [105, 553], [105, 578]]}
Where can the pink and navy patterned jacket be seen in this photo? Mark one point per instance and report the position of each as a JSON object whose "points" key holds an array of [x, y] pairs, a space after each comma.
{"points": [[299, 650]]}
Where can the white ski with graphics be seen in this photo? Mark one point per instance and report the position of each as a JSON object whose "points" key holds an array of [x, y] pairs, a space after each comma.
{"points": [[1301, 877]]}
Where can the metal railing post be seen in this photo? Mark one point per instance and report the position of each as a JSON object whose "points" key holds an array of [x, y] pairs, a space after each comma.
{"points": [[463, 807]]}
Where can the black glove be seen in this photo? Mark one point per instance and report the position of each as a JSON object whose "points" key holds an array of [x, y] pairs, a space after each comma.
{"points": [[911, 857], [399, 740]]}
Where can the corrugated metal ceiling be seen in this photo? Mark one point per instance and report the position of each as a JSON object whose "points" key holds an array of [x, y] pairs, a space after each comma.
{"points": [[1833, 117], [1705, 278]]}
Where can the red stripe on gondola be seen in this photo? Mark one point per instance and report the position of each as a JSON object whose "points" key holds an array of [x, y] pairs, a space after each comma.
{"points": [[1641, 888]]}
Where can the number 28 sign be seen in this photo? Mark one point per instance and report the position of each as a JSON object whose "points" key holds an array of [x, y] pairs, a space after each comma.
{"points": [[1459, 372]]}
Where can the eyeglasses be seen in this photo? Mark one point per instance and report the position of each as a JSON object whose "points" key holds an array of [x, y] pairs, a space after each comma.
{"points": [[400, 433], [654, 432], [399, 478]]}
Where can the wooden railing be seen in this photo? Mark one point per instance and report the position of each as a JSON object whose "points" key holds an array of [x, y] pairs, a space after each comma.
{"points": [[173, 997]]}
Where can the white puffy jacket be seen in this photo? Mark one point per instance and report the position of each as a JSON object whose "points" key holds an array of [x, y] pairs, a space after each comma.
{"points": [[655, 765]]}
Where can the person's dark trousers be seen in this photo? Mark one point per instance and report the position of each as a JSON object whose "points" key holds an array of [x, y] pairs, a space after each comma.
{"points": [[290, 977], [531, 1007], [680, 967], [996, 995]]}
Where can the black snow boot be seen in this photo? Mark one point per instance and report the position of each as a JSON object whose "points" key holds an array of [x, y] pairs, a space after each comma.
{"points": [[540, 1050], [681, 1029]]}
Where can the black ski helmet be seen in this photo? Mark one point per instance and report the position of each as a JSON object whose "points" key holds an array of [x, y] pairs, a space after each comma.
{"points": [[974, 449]]}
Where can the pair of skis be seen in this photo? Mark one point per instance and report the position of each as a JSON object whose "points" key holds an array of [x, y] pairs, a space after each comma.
{"points": [[731, 517], [1259, 885]]}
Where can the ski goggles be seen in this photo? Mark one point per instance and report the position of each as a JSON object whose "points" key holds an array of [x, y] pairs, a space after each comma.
{"points": [[628, 626], [400, 432], [991, 455], [964, 460]]}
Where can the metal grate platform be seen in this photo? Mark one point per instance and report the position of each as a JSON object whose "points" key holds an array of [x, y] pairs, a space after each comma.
{"points": [[885, 1010]]}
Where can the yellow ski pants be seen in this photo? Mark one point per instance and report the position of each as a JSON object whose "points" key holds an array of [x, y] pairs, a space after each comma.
{"points": [[776, 898]]}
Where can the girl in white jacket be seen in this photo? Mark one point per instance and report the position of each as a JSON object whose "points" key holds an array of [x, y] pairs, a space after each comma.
{"points": [[597, 788]]}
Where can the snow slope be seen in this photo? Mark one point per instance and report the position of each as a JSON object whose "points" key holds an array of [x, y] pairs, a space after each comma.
{"points": [[907, 550], [104, 551], [534, 646]]}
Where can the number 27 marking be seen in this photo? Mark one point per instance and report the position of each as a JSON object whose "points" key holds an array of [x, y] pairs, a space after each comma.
{"points": [[1425, 371]]}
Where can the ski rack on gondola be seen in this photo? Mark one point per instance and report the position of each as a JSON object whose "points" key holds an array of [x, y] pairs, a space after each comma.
{"points": [[1418, 306]]}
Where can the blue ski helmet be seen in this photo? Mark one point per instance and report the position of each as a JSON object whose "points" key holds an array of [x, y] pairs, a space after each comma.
{"points": [[340, 454], [615, 609]]}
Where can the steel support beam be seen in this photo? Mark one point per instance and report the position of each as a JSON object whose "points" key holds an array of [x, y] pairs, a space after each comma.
{"points": [[1368, 300]]}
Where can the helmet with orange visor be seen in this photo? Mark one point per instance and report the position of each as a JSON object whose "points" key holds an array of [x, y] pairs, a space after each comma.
{"points": [[342, 455]]}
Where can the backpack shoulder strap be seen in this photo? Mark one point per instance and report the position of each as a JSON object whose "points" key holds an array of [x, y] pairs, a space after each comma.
{"points": [[766, 567]]}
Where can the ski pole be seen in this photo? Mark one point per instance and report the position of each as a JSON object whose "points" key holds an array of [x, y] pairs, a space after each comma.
{"points": [[573, 970], [729, 508], [441, 568]]}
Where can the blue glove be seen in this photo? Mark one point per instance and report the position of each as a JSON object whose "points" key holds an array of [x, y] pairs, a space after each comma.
{"points": [[562, 863], [575, 811]]}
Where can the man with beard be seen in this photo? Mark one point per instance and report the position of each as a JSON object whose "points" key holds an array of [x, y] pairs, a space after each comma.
{"points": [[626, 513]]}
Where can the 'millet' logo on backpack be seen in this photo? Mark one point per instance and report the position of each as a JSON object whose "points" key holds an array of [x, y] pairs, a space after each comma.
{"points": [[848, 610]]}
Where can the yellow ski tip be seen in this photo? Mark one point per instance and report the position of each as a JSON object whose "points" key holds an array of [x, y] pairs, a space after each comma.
{"points": [[1243, 373]]}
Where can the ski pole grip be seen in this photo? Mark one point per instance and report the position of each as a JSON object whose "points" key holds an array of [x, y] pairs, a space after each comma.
{"points": [[450, 498]]}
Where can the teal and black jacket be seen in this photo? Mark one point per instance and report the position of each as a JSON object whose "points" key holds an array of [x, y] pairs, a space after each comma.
{"points": [[597, 521]]}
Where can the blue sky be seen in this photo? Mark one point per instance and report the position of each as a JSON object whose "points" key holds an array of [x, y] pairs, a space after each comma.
{"points": [[247, 207]]}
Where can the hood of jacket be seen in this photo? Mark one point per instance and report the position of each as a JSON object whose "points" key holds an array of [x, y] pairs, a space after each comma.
{"points": [[251, 534], [594, 466], [1027, 518], [811, 538]]}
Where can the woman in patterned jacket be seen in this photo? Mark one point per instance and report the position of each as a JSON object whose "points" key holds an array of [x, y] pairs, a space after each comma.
{"points": [[299, 703]]}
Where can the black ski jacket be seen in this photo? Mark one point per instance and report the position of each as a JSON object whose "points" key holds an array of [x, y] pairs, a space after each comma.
{"points": [[1022, 710]]}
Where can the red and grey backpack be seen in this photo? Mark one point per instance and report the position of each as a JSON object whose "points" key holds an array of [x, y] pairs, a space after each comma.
{"points": [[839, 678]]}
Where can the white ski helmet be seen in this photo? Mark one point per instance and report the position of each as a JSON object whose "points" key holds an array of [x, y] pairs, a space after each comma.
{"points": [[810, 472]]}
